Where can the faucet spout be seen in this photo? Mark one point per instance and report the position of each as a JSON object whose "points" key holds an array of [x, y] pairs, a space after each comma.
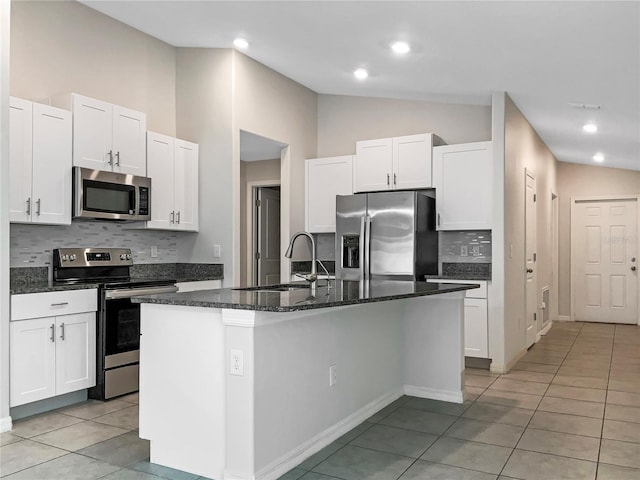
{"points": [[313, 276]]}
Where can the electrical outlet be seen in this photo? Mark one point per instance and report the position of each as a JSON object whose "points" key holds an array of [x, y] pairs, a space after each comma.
{"points": [[475, 250], [216, 251], [236, 363], [333, 375], [464, 250], [154, 251]]}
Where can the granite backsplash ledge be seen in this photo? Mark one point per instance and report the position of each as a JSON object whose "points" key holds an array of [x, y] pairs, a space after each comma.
{"points": [[19, 277], [182, 272]]}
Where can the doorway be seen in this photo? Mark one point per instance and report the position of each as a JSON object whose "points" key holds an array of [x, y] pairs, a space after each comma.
{"points": [[266, 245], [260, 169], [604, 264]]}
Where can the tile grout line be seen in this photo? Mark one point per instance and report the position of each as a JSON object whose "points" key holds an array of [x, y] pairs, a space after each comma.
{"points": [[606, 396]]}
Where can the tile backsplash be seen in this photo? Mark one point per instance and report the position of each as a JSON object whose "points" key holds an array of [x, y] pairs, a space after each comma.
{"points": [[468, 246], [32, 245]]}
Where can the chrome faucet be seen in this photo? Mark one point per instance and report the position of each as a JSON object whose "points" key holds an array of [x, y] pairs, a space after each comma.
{"points": [[313, 276]]}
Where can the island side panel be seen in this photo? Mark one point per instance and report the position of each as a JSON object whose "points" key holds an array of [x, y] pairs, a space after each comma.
{"points": [[297, 412], [434, 347], [182, 389]]}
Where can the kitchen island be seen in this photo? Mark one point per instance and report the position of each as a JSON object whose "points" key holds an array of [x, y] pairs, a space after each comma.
{"points": [[244, 384]]}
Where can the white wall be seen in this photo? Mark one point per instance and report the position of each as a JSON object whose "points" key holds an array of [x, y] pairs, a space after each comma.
{"points": [[524, 149], [5, 421], [344, 120], [62, 46], [583, 180], [274, 106], [204, 107]]}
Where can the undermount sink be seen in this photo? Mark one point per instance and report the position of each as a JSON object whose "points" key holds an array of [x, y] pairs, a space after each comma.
{"points": [[283, 287]]}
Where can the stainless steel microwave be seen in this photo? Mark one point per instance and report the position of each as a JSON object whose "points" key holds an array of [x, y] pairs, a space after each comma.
{"points": [[110, 195]]}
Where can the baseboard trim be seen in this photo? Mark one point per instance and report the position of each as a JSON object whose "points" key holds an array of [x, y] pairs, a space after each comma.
{"points": [[498, 368], [296, 456], [515, 360], [433, 394], [6, 424], [544, 331], [564, 318]]}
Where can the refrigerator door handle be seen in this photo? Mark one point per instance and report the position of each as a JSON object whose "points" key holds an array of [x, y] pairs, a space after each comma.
{"points": [[365, 232]]}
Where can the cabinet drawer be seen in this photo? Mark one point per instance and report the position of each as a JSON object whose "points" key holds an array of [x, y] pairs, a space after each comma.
{"points": [[475, 293], [51, 304]]}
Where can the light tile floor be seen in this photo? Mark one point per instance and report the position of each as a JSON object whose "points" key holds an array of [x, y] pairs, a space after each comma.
{"points": [[570, 409]]}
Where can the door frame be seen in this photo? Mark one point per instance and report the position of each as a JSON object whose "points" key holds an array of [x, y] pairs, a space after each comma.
{"points": [[530, 174], [554, 236], [577, 199], [251, 191]]}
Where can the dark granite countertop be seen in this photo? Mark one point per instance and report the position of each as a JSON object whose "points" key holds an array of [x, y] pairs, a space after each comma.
{"points": [[41, 287], [342, 293]]}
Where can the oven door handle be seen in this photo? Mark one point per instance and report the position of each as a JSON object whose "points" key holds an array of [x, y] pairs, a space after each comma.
{"points": [[134, 292]]}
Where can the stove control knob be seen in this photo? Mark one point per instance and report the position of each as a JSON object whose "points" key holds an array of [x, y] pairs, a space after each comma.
{"points": [[65, 258], [123, 256], [72, 257], [128, 256]]}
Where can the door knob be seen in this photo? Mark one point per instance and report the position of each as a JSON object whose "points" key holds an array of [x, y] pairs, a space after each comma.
{"points": [[529, 270], [633, 259], [633, 269]]}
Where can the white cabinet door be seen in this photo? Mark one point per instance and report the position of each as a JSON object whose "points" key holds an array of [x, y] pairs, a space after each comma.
{"points": [[20, 148], [160, 151], [92, 132], [32, 360], [412, 161], [129, 130], [373, 165], [51, 177], [186, 185], [75, 352], [475, 328], [325, 178], [463, 178]]}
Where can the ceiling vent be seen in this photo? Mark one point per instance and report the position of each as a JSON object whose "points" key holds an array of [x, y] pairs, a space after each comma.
{"points": [[584, 106]]}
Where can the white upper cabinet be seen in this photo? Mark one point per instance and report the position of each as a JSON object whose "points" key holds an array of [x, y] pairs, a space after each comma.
{"points": [[463, 179], [39, 163], [172, 165], [398, 163], [105, 136], [324, 179]]}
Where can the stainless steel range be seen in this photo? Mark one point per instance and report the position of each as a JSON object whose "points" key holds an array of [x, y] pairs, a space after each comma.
{"points": [[118, 319]]}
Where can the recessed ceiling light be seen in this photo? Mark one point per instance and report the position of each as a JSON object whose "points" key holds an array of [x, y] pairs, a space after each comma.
{"points": [[598, 157], [241, 43], [400, 47], [361, 73], [590, 128]]}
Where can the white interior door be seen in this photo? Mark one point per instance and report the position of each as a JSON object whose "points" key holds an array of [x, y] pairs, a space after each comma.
{"points": [[530, 260], [604, 246], [268, 257]]}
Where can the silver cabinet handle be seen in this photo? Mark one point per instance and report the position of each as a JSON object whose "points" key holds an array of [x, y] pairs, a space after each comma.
{"points": [[38, 207], [62, 331], [59, 304], [29, 206], [53, 332], [387, 179], [394, 178], [110, 161], [178, 217], [172, 215], [118, 159]]}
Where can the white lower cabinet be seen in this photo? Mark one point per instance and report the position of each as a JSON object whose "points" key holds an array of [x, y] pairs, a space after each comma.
{"points": [[52, 355]]}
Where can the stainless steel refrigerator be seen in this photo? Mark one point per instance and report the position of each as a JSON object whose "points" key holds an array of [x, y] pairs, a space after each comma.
{"points": [[386, 235]]}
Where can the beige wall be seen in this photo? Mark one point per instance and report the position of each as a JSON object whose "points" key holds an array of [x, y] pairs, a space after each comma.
{"points": [[524, 149], [260, 171], [576, 180], [274, 106], [344, 120], [204, 115], [59, 47]]}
